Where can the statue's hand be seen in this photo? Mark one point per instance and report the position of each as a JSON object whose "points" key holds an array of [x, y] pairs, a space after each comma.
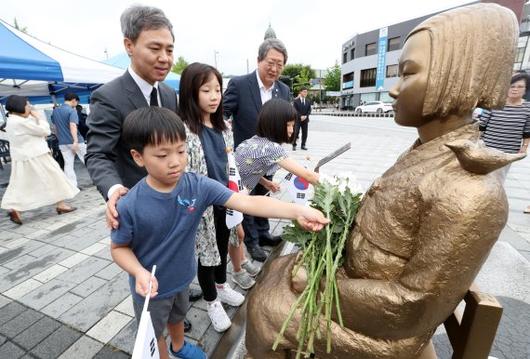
{"points": [[299, 279]]}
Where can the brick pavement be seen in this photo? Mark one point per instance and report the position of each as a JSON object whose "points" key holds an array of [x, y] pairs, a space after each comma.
{"points": [[61, 295]]}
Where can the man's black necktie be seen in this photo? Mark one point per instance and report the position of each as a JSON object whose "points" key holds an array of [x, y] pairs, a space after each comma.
{"points": [[153, 101]]}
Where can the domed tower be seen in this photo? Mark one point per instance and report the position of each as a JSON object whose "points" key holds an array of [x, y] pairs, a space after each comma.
{"points": [[269, 34]]}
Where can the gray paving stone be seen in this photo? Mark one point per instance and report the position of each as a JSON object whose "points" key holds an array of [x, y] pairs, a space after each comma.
{"points": [[88, 286], [11, 351], [84, 348], [2, 339], [200, 323], [110, 271], [210, 340], [109, 352], [61, 305], [38, 265], [4, 301], [98, 304], [36, 333], [56, 343], [11, 254], [46, 293], [10, 311], [79, 243], [104, 253], [124, 340], [82, 271], [20, 323]]}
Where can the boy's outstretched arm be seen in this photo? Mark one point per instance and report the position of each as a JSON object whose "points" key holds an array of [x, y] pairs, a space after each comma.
{"points": [[125, 258], [261, 206]]}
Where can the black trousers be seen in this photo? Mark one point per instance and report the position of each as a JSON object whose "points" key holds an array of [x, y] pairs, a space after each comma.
{"points": [[297, 126], [208, 276], [256, 226]]}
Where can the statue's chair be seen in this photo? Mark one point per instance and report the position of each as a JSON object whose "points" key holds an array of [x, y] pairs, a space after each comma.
{"points": [[472, 332]]}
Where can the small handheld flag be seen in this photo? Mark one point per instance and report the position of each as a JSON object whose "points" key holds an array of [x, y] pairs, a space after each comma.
{"points": [[233, 218], [146, 343]]}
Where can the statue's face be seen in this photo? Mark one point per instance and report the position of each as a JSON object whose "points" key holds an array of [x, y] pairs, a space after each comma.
{"points": [[409, 92]]}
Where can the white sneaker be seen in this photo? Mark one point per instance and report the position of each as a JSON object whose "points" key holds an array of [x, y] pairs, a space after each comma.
{"points": [[251, 269], [243, 279], [229, 296], [218, 316]]}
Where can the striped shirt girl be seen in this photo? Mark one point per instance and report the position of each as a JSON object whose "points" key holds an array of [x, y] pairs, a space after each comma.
{"points": [[504, 129]]}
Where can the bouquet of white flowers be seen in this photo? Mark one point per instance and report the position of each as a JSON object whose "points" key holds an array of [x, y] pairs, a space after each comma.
{"points": [[338, 198]]}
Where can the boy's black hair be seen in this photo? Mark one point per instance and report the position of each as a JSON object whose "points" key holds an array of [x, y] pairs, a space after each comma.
{"points": [[273, 119], [16, 104], [149, 126], [303, 88], [69, 96]]}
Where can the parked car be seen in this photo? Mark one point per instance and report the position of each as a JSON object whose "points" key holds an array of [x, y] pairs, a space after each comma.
{"points": [[378, 107]]}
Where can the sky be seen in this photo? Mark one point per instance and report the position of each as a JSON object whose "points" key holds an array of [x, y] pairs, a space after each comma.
{"points": [[222, 32]]}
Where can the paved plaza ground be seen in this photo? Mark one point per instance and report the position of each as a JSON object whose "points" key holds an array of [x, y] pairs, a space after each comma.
{"points": [[61, 296]]}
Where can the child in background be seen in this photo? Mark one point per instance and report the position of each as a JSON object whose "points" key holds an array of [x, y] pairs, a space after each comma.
{"points": [[263, 154], [158, 220], [209, 139]]}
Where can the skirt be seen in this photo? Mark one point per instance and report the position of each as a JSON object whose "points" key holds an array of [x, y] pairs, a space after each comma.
{"points": [[35, 183]]}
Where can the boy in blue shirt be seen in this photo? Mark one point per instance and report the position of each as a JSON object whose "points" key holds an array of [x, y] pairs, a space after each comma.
{"points": [[159, 216]]}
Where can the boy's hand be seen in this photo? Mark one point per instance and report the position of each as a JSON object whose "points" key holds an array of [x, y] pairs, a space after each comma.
{"points": [[311, 219], [111, 213], [142, 284]]}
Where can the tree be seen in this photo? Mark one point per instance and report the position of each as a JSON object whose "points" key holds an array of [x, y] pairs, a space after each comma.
{"points": [[300, 75], [332, 79], [20, 28], [179, 66]]}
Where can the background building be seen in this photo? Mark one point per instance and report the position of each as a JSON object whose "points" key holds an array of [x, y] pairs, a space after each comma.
{"points": [[369, 61]]}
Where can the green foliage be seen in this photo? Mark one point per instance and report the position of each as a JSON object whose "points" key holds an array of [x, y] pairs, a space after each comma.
{"points": [[300, 75], [179, 66], [332, 79], [321, 257]]}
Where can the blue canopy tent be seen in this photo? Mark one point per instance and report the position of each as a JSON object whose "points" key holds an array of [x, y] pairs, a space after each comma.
{"points": [[30, 67], [122, 61]]}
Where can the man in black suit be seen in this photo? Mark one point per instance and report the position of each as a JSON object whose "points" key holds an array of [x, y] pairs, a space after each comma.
{"points": [[302, 106], [242, 101], [148, 40]]}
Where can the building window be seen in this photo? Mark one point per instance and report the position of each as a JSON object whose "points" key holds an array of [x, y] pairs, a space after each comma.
{"points": [[352, 53], [344, 57], [368, 77], [371, 49], [394, 43], [392, 71], [347, 81], [519, 55]]}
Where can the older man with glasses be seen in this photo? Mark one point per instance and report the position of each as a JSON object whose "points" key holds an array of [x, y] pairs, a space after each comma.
{"points": [[242, 101]]}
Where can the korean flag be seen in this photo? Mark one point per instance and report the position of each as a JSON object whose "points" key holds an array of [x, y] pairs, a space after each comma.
{"points": [[233, 218], [145, 345], [298, 188]]}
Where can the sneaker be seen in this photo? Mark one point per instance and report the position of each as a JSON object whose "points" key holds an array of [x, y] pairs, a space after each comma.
{"points": [[218, 316], [243, 279], [227, 295], [251, 269], [188, 351]]}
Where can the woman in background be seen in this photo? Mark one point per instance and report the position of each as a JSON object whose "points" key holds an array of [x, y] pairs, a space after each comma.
{"points": [[36, 180]]}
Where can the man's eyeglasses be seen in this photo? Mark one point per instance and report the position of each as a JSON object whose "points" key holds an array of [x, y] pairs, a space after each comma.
{"points": [[271, 64]]}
